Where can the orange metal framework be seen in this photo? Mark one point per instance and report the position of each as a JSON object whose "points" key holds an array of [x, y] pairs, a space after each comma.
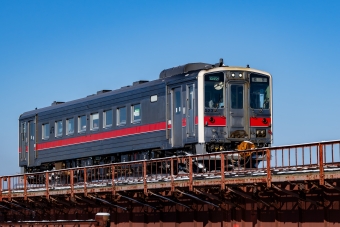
{"points": [[290, 172]]}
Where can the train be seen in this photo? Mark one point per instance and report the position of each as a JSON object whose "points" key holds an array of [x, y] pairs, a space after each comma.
{"points": [[196, 108]]}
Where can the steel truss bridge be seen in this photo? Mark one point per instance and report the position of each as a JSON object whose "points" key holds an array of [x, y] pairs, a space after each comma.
{"points": [[295, 185]]}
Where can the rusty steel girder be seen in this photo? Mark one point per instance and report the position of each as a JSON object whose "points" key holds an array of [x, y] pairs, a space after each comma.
{"points": [[306, 176]]}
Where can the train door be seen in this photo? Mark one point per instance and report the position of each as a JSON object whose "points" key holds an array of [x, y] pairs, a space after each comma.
{"points": [[31, 142], [190, 124], [237, 121], [176, 117], [23, 141]]}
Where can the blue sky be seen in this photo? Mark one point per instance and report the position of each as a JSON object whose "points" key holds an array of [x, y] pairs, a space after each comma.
{"points": [[65, 50]]}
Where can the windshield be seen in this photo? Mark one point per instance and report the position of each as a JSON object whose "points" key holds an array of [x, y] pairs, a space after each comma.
{"points": [[214, 87], [259, 91]]}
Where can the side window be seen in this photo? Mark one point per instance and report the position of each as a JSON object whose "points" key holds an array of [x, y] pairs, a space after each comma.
{"points": [[70, 126], [94, 123], [121, 116], [153, 98], [82, 123], [58, 128], [45, 131], [135, 113], [107, 119]]}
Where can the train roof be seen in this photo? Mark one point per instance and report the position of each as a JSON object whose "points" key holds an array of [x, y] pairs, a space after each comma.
{"points": [[166, 73], [190, 67], [98, 95]]}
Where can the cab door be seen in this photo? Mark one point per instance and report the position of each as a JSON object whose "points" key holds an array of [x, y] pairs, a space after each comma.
{"points": [[237, 120]]}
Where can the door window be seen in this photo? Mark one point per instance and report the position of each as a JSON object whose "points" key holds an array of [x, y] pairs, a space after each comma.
{"points": [[178, 102], [236, 93]]}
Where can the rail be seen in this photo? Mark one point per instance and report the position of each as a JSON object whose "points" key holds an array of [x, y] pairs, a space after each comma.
{"points": [[312, 161]]}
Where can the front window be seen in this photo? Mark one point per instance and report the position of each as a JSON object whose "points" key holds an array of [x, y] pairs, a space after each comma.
{"points": [[214, 84], [259, 91]]}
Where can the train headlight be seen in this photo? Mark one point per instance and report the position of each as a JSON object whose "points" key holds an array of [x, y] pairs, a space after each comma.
{"points": [[233, 75], [240, 75], [260, 133]]}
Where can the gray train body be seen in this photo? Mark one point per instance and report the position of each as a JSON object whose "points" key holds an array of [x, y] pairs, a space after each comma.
{"points": [[191, 109]]}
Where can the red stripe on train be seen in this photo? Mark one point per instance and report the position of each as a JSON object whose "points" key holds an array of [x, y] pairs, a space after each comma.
{"points": [[102, 136], [260, 121], [215, 121]]}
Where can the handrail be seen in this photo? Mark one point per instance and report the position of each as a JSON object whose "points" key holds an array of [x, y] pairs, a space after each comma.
{"points": [[319, 156]]}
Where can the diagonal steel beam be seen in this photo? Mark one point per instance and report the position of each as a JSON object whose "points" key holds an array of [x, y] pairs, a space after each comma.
{"points": [[194, 197], [208, 195], [217, 198], [170, 200], [111, 204], [245, 195], [294, 195], [136, 201], [332, 186], [85, 199], [17, 205], [1, 206]]}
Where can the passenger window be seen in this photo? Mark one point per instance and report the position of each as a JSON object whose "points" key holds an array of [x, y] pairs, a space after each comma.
{"points": [[121, 116], [58, 128], [107, 119], [136, 113], [82, 123], [45, 131], [94, 124], [70, 126]]}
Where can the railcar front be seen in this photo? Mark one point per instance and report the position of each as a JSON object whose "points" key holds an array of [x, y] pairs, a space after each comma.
{"points": [[235, 109]]}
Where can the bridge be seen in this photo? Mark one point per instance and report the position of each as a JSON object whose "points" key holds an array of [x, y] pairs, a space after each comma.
{"points": [[295, 185]]}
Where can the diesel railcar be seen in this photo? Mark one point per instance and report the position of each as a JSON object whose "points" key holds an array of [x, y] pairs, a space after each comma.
{"points": [[190, 109]]}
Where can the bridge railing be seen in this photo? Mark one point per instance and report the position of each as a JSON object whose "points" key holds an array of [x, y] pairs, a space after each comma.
{"points": [[313, 157]]}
